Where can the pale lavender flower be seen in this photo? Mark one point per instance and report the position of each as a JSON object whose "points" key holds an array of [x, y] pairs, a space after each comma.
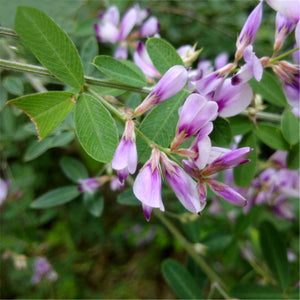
{"points": [[195, 113], [249, 30], [226, 192], [297, 36], [128, 22], [88, 185], [147, 185], [141, 14], [170, 84], [143, 61], [184, 187], [252, 68], [115, 184], [150, 27], [229, 160], [43, 270], [125, 157], [232, 99], [290, 8], [221, 60], [283, 28], [121, 53], [4, 185]]}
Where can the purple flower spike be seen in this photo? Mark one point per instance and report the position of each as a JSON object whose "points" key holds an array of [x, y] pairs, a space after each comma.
{"points": [[170, 84], [283, 28], [125, 157], [226, 192], [147, 185], [150, 27], [89, 185], [195, 113], [249, 31], [252, 68], [229, 160], [184, 187]]}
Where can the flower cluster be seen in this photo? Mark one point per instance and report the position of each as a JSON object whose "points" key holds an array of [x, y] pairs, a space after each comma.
{"points": [[110, 29], [43, 270]]}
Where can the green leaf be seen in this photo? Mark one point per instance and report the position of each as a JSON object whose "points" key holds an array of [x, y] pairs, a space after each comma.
{"points": [[13, 85], [46, 110], [128, 198], [221, 135], [95, 128], [274, 252], [88, 52], [94, 203], [163, 54], [293, 157], [37, 148], [50, 44], [270, 89], [160, 125], [240, 125], [73, 168], [254, 291], [120, 71], [271, 136], [180, 280], [290, 127], [244, 174], [56, 197]]}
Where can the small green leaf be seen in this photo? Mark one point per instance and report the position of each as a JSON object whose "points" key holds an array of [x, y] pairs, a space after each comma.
{"points": [[244, 174], [56, 197], [294, 157], [73, 168], [120, 71], [160, 125], [271, 136], [37, 148], [46, 110], [95, 128], [254, 291], [163, 54], [270, 89], [13, 85], [221, 135], [94, 203], [290, 127], [180, 280], [128, 198], [50, 44], [88, 52], [240, 125], [274, 252]]}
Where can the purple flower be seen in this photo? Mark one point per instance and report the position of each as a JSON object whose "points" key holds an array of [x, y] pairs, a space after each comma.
{"points": [[290, 9], [226, 192], [195, 113], [252, 68], [150, 27], [143, 61], [128, 22], [229, 160], [184, 187], [89, 185], [232, 99], [147, 185], [170, 84], [283, 28], [121, 53], [125, 157], [43, 269], [249, 30], [4, 185], [221, 60]]}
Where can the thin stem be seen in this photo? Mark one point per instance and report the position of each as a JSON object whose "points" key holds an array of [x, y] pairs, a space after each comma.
{"points": [[37, 70], [282, 56], [191, 251], [263, 116]]}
